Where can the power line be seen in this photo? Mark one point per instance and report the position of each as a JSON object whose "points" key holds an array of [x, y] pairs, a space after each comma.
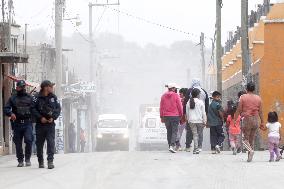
{"points": [[153, 22], [100, 19], [137, 18], [40, 12], [41, 23], [74, 25], [82, 35], [213, 49]]}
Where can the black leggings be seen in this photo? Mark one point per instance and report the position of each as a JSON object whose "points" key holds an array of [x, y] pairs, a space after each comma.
{"points": [[172, 129]]}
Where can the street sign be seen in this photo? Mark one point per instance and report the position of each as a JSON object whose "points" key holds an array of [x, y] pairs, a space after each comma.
{"points": [[81, 87]]}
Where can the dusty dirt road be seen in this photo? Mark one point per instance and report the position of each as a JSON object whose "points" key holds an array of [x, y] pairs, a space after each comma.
{"points": [[146, 170]]}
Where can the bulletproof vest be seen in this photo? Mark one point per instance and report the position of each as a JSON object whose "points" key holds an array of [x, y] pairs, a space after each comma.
{"points": [[46, 108], [23, 107]]}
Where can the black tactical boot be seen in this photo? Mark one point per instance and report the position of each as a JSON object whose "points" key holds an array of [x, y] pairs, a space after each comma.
{"points": [[21, 164], [28, 163], [50, 165], [40, 165]]}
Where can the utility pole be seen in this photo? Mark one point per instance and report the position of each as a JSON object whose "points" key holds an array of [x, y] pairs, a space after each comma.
{"points": [[245, 42], [90, 130], [91, 43], [1, 110], [219, 5], [25, 49], [58, 45], [1, 78], [58, 61], [10, 69], [202, 58], [93, 66], [10, 5]]}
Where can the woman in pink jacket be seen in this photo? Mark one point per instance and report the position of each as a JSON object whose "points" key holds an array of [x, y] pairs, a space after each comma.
{"points": [[171, 111]]}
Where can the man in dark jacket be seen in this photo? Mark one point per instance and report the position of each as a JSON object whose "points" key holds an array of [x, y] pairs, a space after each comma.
{"points": [[46, 110], [18, 109]]}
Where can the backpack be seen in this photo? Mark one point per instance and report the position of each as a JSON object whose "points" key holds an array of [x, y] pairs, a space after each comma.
{"points": [[187, 97]]}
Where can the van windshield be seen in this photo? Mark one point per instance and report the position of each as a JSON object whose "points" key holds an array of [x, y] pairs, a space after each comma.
{"points": [[151, 123], [112, 123]]}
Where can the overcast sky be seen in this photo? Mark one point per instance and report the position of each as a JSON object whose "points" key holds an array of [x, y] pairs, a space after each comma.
{"points": [[187, 15]]}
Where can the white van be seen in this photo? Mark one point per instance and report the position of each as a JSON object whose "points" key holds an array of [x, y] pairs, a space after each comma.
{"points": [[152, 133], [112, 132]]}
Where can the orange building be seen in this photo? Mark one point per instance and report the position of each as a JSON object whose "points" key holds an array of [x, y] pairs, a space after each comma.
{"points": [[266, 42]]}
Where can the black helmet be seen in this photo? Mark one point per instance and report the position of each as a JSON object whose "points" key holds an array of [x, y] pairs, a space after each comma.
{"points": [[21, 83], [46, 83]]}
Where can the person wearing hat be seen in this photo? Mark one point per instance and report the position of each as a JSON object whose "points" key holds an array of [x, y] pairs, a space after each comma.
{"points": [[18, 109], [171, 112], [46, 109]]}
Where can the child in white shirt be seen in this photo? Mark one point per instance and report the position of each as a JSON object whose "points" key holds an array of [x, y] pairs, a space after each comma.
{"points": [[196, 116], [273, 127]]}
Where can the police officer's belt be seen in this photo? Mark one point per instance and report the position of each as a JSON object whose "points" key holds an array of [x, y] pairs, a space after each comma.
{"points": [[23, 121]]}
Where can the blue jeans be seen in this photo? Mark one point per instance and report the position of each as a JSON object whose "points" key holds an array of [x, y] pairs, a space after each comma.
{"points": [[23, 131]]}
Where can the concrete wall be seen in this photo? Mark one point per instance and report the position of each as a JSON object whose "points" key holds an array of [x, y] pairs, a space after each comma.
{"points": [[41, 64]]}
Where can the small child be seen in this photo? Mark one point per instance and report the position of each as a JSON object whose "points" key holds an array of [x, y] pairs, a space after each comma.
{"points": [[273, 127], [234, 130], [196, 115]]}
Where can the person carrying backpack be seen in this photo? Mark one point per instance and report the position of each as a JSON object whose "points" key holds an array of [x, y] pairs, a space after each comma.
{"points": [[203, 97]]}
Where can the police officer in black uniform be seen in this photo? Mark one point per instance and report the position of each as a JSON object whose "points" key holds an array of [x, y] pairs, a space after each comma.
{"points": [[46, 109], [18, 109]]}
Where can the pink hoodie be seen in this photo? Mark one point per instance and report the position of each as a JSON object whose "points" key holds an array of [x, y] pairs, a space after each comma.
{"points": [[171, 105]]}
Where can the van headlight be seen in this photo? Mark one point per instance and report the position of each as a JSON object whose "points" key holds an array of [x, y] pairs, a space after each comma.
{"points": [[99, 135], [125, 135]]}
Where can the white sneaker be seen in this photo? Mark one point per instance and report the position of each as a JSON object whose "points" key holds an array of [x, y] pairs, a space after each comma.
{"points": [[187, 149], [172, 149], [196, 151], [178, 148], [199, 150], [218, 150]]}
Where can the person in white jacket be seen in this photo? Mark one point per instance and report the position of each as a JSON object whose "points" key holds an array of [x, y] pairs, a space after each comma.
{"points": [[196, 116]]}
